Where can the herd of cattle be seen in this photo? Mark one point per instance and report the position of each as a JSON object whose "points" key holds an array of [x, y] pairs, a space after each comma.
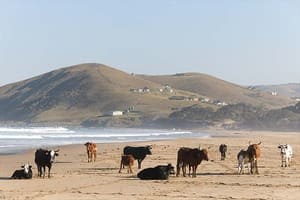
{"points": [[186, 158]]}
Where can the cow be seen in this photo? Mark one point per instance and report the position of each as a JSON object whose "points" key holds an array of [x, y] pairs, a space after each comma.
{"points": [[127, 160], [251, 156], [91, 149], [286, 152], [139, 153], [243, 157], [24, 173], [44, 158], [254, 151], [191, 158], [160, 172], [223, 150]]}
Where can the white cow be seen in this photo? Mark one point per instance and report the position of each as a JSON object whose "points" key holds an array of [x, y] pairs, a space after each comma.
{"points": [[286, 152]]}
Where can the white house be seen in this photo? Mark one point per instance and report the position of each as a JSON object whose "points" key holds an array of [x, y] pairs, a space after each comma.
{"points": [[115, 113]]}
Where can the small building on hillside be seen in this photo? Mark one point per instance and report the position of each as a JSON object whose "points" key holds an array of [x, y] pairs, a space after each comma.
{"points": [[115, 113]]}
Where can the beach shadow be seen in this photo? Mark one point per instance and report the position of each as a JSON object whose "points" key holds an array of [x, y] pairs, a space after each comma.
{"points": [[105, 170], [5, 178], [63, 162], [216, 174]]}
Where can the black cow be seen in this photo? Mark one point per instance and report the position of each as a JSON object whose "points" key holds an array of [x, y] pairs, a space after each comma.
{"points": [[223, 150], [160, 172], [139, 153], [44, 158], [24, 173]]}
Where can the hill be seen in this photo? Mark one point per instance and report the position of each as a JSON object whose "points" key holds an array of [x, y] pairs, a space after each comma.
{"points": [[85, 93], [221, 90]]}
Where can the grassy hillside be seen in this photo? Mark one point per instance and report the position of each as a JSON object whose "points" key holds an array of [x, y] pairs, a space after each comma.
{"points": [[83, 92], [215, 88]]}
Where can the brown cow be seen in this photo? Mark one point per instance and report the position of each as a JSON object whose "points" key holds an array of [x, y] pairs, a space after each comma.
{"points": [[91, 149], [191, 158], [254, 152], [127, 160]]}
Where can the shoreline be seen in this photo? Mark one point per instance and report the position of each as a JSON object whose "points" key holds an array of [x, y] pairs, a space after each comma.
{"points": [[208, 133]]}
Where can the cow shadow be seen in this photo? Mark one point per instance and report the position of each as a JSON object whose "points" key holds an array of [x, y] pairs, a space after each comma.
{"points": [[63, 162], [99, 170], [217, 174], [5, 178]]}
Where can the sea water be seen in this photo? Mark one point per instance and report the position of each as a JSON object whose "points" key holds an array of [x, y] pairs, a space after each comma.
{"points": [[17, 139]]}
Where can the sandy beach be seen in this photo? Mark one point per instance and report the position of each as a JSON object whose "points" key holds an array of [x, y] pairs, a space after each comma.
{"points": [[74, 178]]}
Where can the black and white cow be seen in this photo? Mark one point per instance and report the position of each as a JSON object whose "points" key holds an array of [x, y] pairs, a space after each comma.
{"points": [[139, 153], [286, 153], [24, 173], [44, 158], [160, 172]]}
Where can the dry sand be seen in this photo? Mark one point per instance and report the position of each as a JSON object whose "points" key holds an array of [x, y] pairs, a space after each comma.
{"points": [[74, 178]]}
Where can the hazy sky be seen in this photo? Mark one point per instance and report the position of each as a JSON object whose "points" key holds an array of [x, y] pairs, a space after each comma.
{"points": [[243, 41]]}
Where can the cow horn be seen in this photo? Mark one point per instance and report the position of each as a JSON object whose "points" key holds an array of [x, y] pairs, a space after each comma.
{"points": [[249, 142], [259, 143], [56, 150]]}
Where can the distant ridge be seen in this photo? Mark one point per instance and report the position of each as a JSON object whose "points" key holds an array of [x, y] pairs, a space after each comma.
{"points": [[215, 88]]}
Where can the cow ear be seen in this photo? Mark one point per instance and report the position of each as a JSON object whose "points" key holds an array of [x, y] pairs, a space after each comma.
{"points": [[259, 143], [30, 166], [56, 154], [22, 166]]}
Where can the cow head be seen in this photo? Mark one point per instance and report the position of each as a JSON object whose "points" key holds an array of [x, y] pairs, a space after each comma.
{"points": [[170, 169], [87, 144], [283, 148], [148, 149], [254, 150], [53, 154], [223, 148], [26, 168]]}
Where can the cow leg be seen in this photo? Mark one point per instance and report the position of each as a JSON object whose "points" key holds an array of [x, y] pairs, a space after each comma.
{"points": [[130, 169], [184, 170], [95, 156], [39, 171], [177, 170], [189, 170], [194, 171], [139, 163], [121, 164], [43, 171], [49, 168]]}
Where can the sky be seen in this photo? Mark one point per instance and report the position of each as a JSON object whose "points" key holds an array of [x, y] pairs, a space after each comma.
{"points": [[246, 42]]}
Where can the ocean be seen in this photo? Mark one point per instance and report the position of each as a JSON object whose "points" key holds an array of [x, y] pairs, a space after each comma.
{"points": [[17, 139]]}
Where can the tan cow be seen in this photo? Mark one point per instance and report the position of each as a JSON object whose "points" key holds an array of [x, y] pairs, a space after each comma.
{"points": [[91, 149]]}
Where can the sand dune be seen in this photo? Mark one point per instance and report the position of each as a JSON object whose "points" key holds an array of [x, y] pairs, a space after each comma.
{"points": [[74, 178]]}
